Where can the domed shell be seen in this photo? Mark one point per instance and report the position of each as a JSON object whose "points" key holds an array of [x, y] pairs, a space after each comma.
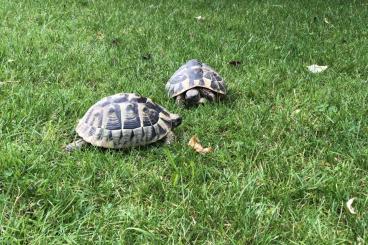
{"points": [[124, 120], [195, 74]]}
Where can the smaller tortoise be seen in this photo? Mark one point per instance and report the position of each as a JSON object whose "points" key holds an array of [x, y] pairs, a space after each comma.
{"points": [[124, 120], [195, 83]]}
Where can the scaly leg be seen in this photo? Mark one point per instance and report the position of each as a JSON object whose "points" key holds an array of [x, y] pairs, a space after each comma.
{"points": [[208, 94], [76, 145], [202, 100], [180, 100], [170, 138]]}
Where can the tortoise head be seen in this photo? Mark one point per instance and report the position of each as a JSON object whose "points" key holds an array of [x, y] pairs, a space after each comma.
{"points": [[175, 120], [192, 96]]}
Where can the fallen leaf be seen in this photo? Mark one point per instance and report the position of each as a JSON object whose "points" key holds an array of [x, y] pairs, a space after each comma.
{"points": [[235, 63], [194, 143], [326, 20], [349, 205], [316, 68], [100, 35], [199, 18], [297, 111]]}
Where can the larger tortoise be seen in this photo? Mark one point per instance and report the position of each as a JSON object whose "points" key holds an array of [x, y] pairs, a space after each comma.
{"points": [[124, 120], [195, 83]]}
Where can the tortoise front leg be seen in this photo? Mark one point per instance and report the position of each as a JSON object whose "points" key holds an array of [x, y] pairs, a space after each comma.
{"points": [[202, 100], [170, 138], [208, 94], [180, 100], [76, 145]]}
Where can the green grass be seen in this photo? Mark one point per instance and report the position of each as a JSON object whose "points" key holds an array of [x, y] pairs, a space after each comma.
{"points": [[291, 147]]}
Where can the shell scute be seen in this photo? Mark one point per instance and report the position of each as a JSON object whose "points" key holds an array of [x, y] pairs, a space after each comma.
{"points": [[131, 116], [113, 118]]}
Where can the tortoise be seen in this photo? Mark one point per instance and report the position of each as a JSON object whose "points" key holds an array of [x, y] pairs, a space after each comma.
{"points": [[195, 83], [125, 120]]}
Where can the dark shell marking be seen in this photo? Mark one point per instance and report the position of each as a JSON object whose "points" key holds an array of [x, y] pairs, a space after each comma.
{"points": [[131, 116], [195, 74], [124, 120]]}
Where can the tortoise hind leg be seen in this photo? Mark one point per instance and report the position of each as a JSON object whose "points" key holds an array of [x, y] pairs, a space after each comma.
{"points": [[76, 145]]}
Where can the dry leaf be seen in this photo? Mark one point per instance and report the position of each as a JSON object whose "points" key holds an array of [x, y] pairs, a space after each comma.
{"points": [[297, 111], [194, 143], [326, 20], [316, 68], [100, 35], [199, 18], [349, 205]]}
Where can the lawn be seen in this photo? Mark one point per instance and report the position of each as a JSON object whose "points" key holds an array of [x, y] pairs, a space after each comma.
{"points": [[290, 147]]}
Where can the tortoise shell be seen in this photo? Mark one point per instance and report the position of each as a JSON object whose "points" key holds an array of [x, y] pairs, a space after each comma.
{"points": [[124, 120], [195, 74]]}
